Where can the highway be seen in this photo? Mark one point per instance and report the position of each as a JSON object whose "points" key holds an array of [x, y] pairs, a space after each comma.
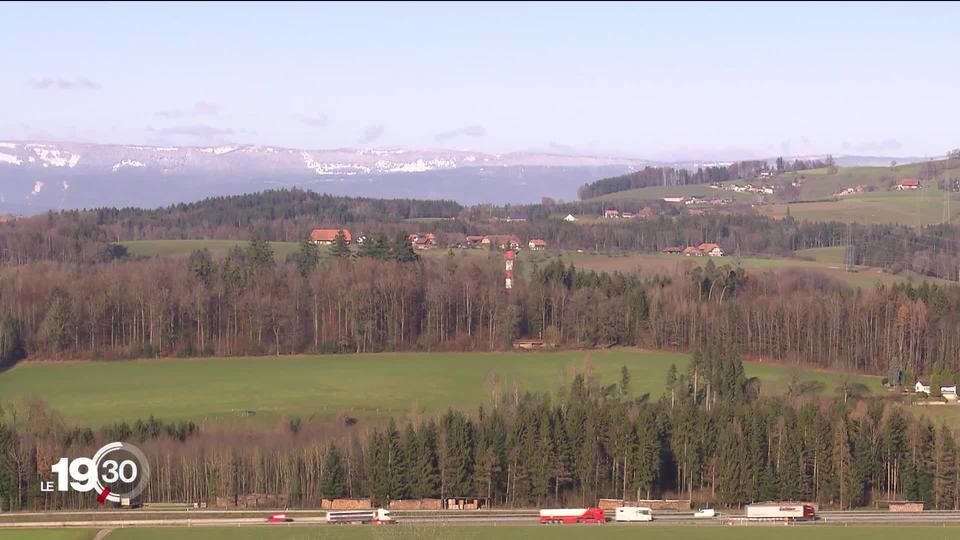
{"points": [[234, 518]]}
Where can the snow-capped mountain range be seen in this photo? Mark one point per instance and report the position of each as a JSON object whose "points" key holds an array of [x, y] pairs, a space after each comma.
{"points": [[37, 176]]}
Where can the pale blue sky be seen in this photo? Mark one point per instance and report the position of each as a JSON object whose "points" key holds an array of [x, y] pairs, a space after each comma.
{"points": [[647, 80]]}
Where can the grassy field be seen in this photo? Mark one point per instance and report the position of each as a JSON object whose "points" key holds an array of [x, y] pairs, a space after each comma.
{"points": [[218, 248], [653, 263], [913, 208], [659, 192], [819, 183], [827, 255], [49, 534], [364, 386], [571, 532]]}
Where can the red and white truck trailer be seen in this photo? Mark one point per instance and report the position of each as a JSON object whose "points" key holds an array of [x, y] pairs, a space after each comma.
{"points": [[781, 511], [572, 515]]}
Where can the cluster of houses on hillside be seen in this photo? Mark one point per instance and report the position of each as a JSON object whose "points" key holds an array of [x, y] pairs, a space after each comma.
{"points": [[948, 392], [700, 199], [862, 188], [502, 242], [761, 189], [612, 213], [424, 241], [705, 249], [909, 183]]}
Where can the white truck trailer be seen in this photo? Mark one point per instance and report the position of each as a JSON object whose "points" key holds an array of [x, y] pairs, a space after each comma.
{"points": [[629, 514], [785, 511], [375, 517]]}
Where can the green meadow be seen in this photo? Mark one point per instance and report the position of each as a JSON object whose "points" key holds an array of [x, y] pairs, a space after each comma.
{"points": [[267, 389]]}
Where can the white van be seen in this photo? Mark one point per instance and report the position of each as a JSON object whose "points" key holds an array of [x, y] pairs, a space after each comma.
{"points": [[633, 513]]}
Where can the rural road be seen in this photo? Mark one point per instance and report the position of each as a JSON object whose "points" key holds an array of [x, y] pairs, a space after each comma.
{"points": [[119, 519]]}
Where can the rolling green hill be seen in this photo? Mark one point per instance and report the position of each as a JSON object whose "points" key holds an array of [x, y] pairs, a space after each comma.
{"points": [[659, 192], [913, 208], [264, 390], [819, 200]]}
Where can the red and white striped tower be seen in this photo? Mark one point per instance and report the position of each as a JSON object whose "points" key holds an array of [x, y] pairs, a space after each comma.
{"points": [[508, 269]]}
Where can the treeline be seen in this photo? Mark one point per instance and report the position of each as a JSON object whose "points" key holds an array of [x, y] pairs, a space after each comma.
{"points": [[803, 164], [390, 299], [272, 205], [711, 437], [89, 238], [669, 176], [33, 437], [279, 215]]}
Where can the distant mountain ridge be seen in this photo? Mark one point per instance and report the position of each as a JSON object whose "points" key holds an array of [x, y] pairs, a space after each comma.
{"points": [[36, 176]]}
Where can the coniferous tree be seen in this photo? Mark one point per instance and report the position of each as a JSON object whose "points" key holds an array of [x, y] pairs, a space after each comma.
{"points": [[842, 462], [378, 247], [402, 250], [895, 455], [731, 461], [395, 465], [307, 258], [424, 467], [647, 462], [332, 478], [624, 382], [945, 473], [340, 249], [259, 254]]}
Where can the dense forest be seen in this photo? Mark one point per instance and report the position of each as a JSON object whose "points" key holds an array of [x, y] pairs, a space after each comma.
{"points": [[386, 298], [669, 176], [711, 437]]}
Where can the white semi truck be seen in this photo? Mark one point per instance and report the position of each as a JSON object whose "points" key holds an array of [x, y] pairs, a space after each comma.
{"points": [[375, 517], [785, 511]]}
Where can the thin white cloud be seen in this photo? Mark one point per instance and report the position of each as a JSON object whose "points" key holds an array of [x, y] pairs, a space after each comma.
{"points": [[466, 131], [200, 131], [371, 133], [200, 108], [874, 147], [60, 83], [317, 121]]}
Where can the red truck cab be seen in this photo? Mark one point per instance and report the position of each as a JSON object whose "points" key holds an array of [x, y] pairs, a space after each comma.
{"points": [[572, 515]]}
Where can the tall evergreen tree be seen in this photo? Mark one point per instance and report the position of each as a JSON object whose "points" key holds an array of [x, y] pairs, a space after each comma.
{"points": [[340, 249], [945, 470], [259, 254], [842, 462], [307, 258], [402, 250], [377, 247], [332, 478], [425, 473]]}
